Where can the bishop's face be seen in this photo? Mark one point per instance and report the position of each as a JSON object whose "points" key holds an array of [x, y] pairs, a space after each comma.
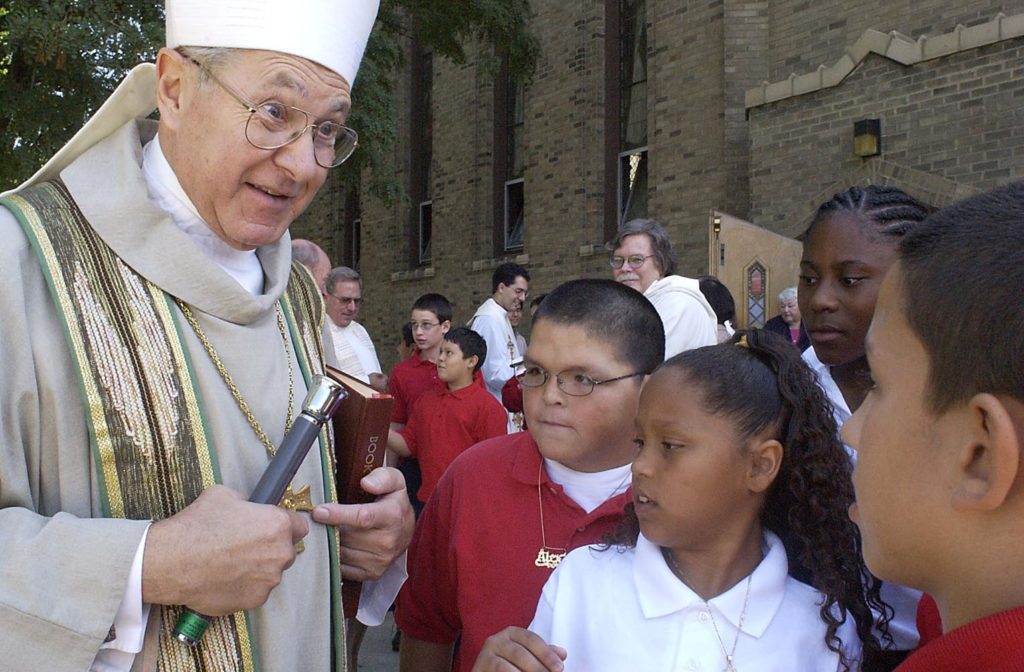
{"points": [[248, 196]]}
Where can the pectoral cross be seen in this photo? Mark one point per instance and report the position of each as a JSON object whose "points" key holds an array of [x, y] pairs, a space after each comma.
{"points": [[297, 501]]}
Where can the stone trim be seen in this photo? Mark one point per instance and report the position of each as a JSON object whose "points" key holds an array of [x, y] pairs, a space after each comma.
{"points": [[894, 46], [414, 274], [493, 263], [932, 190]]}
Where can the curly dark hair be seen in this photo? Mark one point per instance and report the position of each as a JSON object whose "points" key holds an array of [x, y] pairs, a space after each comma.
{"points": [[759, 382]]}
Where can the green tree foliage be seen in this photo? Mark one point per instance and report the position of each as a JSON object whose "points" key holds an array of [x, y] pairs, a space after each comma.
{"points": [[59, 59]]}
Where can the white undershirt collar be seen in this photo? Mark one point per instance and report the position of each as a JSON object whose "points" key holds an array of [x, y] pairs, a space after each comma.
{"points": [[589, 490]]}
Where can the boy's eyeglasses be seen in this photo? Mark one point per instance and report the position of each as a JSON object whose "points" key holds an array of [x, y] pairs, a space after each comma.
{"points": [[423, 326], [633, 261], [573, 382]]}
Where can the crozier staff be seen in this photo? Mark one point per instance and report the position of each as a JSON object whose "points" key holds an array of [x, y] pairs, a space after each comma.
{"points": [[152, 275]]}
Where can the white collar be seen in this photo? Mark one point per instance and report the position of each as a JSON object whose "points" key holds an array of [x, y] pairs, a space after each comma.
{"points": [[589, 490], [661, 593], [828, 384], [166, 192]]}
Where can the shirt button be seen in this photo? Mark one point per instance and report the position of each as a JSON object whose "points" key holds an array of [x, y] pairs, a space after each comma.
{"points": [[705, 616], [692, 666], [581, 528]]}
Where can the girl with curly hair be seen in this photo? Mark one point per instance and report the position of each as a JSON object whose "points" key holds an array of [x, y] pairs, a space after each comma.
{"points": [[737, 551]]}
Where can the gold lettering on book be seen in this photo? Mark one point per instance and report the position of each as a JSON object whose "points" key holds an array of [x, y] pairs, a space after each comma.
{"points": [[549, 558]]}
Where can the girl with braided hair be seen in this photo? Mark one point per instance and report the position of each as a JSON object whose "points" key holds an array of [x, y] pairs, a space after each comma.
{"points": [[848, 248], [739, 473]]}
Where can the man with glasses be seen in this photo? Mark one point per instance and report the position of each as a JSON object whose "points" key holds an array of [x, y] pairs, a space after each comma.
{"points": [[157, 346], [642, 257], [510, 285], [353, 346]]}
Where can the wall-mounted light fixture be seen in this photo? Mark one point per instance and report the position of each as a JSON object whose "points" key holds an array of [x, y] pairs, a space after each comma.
{"points": [[867, 137]]}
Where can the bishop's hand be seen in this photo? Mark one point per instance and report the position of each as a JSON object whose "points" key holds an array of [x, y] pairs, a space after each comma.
{"points": [[220, 554], [372, 535]]}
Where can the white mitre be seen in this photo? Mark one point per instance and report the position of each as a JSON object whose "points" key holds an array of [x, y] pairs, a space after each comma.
{"points": [[332, 33]]}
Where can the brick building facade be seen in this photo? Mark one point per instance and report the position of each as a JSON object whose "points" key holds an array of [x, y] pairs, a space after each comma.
{"points": [[742, 106]]}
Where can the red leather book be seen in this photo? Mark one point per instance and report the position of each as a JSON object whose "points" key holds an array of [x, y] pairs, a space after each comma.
{"points": [[361, 426]]}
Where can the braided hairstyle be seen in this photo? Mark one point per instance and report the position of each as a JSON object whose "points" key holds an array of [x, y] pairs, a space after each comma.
{"points": [[758, 381], [891, 211]]}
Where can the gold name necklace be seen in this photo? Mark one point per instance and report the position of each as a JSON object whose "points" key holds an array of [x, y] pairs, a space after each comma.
{"points": [[551, 556]]}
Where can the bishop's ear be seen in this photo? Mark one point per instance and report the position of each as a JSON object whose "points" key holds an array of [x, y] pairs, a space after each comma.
{"points": [[989, 458], [171, 67]]}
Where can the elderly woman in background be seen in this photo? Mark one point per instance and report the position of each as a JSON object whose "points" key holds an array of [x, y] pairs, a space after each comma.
{"points": [[643, 258], [787, 323]]}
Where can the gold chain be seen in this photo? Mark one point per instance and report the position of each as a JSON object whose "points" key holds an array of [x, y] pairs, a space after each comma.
{"points": [[244, 407], [743, 612]]}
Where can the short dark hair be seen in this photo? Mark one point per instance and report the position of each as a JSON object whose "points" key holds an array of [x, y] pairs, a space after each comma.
{"points": [[612, 313], [661, 244], [437, 304], [963, 270], [535, 301], [506, 274], [470, 342], [890, 211], [720, 298]]}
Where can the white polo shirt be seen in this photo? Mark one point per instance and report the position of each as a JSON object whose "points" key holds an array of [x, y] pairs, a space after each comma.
{"points": [[625, 610]]}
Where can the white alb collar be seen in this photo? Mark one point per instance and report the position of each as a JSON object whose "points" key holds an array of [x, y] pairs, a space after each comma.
{"points": [[166, 192]]}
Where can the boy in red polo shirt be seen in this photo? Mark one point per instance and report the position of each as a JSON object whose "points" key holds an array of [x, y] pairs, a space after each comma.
{"points": [[446, 422], [508, 509], [940, 436], [430, 319]]}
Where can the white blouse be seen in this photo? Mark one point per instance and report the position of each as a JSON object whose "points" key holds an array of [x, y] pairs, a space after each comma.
{"points": [[624, 609]]}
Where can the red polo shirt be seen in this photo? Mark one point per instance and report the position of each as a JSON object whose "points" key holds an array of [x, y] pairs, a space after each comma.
{"points": [[410, 378], [471, 562], [443, 424], [993, 644]]}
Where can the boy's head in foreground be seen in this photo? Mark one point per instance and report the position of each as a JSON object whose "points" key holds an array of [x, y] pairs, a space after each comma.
{"points": [[463, 352], [601, 338], [940, 479]]}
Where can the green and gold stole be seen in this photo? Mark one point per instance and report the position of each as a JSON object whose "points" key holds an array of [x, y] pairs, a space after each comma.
{"points": [[149, 439]]}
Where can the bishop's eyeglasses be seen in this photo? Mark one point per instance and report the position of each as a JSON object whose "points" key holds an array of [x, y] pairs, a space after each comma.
{"points": [[272, 125]]}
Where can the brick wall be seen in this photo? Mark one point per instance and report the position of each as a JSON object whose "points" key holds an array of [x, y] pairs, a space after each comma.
{"points": [[958, 119], [949, 125], [807, 33]]}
